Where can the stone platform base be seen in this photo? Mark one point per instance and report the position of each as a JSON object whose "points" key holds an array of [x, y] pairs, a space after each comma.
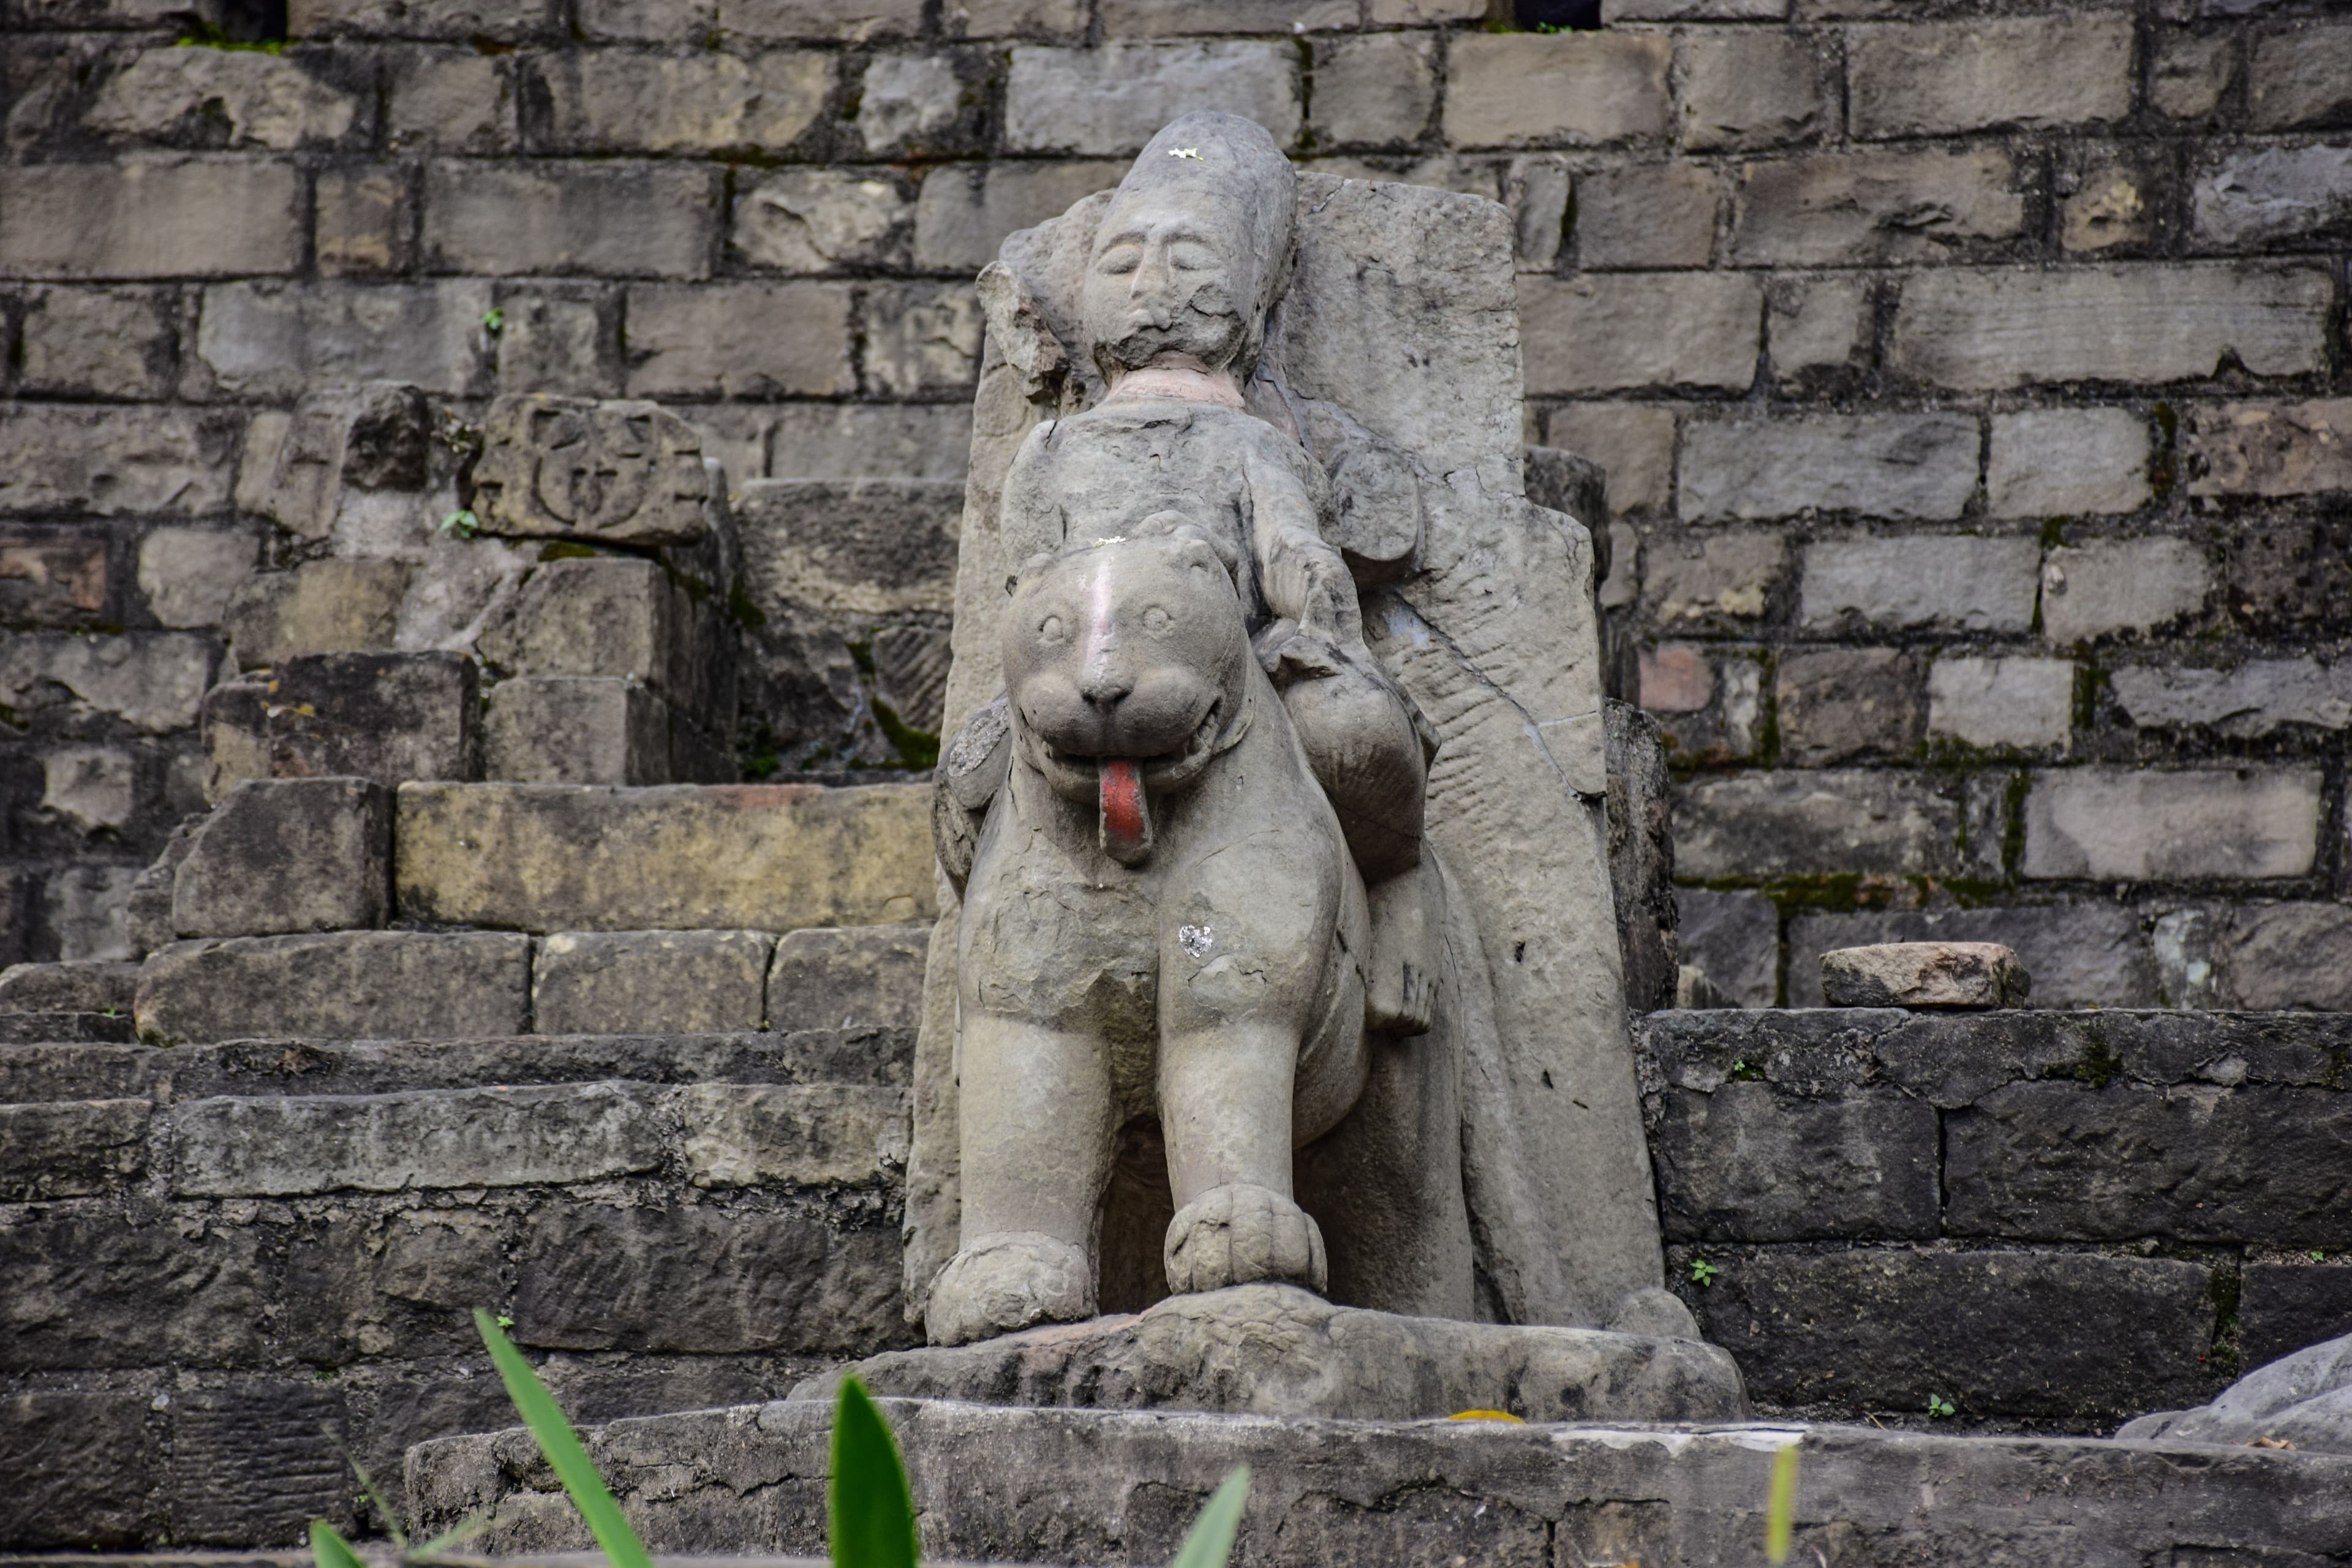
{"points": [[1277, 1350], [1095, 1486]]}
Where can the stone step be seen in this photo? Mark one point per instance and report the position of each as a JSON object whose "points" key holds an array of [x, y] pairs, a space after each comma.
{"points": [[1053, 1485]]}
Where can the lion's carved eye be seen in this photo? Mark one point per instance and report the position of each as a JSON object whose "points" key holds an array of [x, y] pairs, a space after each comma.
{"points": [[1051, 630], [1158, 621]]}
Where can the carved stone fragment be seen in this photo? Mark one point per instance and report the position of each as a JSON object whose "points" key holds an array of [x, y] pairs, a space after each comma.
{"points": [[611, 472]]}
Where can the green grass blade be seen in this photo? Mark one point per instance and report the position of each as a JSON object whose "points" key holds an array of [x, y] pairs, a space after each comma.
{"points": [[873, 1521], [1210, 1540], [457, 1534], [1781, 1512], [561, 1444], [367, 1485], [330, 1549]]}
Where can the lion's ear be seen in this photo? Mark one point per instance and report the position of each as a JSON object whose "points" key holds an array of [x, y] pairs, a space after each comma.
{"points": [[1027, 570], [1197, 551]]}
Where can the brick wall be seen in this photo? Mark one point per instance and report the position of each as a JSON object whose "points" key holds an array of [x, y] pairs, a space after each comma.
{"points": [[1970, 377]]}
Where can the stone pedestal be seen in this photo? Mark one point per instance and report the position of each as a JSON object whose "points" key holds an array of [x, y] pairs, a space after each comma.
{"points": [[1276, 1349]]}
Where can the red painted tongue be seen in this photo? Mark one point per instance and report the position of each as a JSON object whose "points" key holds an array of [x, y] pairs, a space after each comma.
{"points": [[1126, 817]]}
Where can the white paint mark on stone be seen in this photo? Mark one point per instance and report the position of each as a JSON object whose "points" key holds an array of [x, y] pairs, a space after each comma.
{"points": [[1195, 940]]}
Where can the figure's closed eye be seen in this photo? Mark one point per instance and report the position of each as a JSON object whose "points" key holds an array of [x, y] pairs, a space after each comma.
{"points": [[1158, 621], [1119, 259], [1190, 255]]}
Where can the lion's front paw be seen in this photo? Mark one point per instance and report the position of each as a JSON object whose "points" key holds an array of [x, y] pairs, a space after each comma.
{"points": [[1009, 1282], [1237, 1235]]}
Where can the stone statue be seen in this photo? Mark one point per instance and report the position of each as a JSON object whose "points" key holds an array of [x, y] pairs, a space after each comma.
{"points": [[1278, 943]]}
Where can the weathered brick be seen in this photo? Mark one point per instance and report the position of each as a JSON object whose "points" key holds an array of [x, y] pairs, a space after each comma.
{"points": [[2119, 825], [2289, 955], [504, 21], [1112, 100], [149, 680], [321, 606], [612, 220], [53, 574], [281, 1145], [2107, 586], [151, 216], [1839, 703], [1890, 1326], [1915, 466], [853, 20], [1870, 1161], [1647, 215], [109, 461], [385, 717], [276, 341], [848, 977], [772, 857], [922, 104], [2049, 462], [1633, 441], [96, 342], [822, 220], [2025, 703], [71, 1148], [450, 101], [93, 787], [187, 574], [848, 441], [260, 99], [1609, 333], [358, 1283], [2270, 449], [1615, 11], [2299, 77], [695, 1277], [737, 339], [2111, 197], [2283, 1307], [362, 220], [650, 982], [1818, 328], [630, 100], [1963, 581], [1840, 209], [349, 985], [1056, 21], [297, 463], [2263, 195], [88, 906], [1376, 92], [1736, 939], [2189, 72], [1982, 330], [965, 211], [1799, 822], [800, 1134], [613, 616], [1712, 579], [576, 729], [560, 338], [66, 988], [90, 1289], [1744, 89], [2080, 955], [288, 855], [2244, 702], [78, 1468], [921, 340], [2033, 72], [1569, 89], [2290, 572]]}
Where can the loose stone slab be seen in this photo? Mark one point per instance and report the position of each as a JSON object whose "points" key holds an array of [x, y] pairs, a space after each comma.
{"points": [[1277, 1350], [570, 467], [2302, 1400], [1925, 975]]}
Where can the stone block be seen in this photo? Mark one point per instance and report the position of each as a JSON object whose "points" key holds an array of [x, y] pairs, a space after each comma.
{"points": [[1110, 100], [823, 220], [93, 787], [2071, 1162], [626, 100], [2080, 955], [1803, 822], [321, 606], [921, 340], [1924, 975], [800, 1134], [848, 977], [188, 574], [346, 985], [1743, 90], [739, 340], [278, 855], [1836, 704], [606, 220], [381, 716], [2270, 449], [862, 547], [2289, 574], [88, 1289], [273, 340], [857, 21], [1869, 1164], [2025, 704], [1646, 214], [2289, 955], [610, 616], [98, 987], [297, 466], [1912, 466], [1819, 328], [1632, 442], [576, 729], [1615, 11], [151, 682], [2247, 701], [63, 458], [1374, 91], [2283, 1307], [77, 1468], [1148, 18], [1736, 939], [286, 1145], [1611, 333], [1566, 90], [2275, 193], [1058, 20], [650, 982], [88, 907], [71, 1148], [1949, 580], [2121, 825], [2026, 72], [916, 104], [2065, 462], [53, 574], [2188, 73], [698, 1278], [1841, 208], [771, 857], [150, 215], [1677, 678], [855, 441], [260, 99], [500, 21], [1887, 1327], [450, 101], [612, 473], [359, 1283], [1712, 581], [1985, 329], [2109, 585], [965, 210], [2300, 77], [2110, 197], [96, 342]]}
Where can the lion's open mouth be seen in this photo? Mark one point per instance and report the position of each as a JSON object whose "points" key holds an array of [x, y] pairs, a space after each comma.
{"points": [[1160, 771]]}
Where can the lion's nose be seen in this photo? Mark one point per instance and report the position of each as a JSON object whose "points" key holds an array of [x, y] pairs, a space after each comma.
{"points": [[1105, 684]]}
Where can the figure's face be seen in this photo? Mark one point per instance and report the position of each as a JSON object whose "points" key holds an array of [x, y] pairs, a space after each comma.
{"points": [[1161, 289]]}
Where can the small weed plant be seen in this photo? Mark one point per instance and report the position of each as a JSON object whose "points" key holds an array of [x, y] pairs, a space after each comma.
{"points": [[1703, 1273]]}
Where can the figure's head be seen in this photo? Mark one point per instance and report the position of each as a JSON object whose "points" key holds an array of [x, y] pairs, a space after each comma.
{"points": [[1195, 250], [1130, 649]]}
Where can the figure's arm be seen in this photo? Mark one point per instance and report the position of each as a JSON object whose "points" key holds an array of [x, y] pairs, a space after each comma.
{"points": [[1029, 516], [1305, 579]]}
